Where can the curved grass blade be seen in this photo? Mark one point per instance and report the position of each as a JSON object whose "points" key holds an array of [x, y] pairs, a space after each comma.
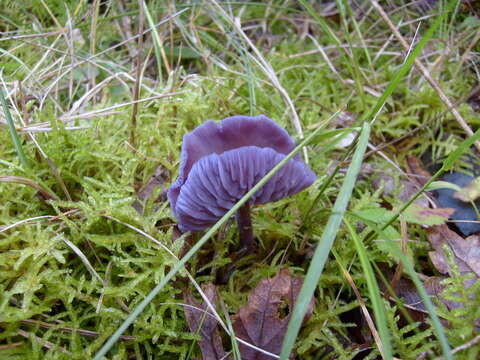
{"points": [[325, 244], [143, 304]]}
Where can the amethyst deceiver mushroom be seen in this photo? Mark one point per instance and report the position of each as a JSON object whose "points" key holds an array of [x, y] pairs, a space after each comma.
{"points": [[221, 162]]}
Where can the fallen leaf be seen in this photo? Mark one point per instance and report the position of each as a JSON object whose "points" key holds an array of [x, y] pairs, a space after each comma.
{"points": [[419, 212], [260, 322], [386, 182], [407, 290], [201, 320], [466, 255], [466, 251], [407, 190]]}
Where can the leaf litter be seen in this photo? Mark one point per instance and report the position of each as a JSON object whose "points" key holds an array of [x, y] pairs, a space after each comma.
{"points": [[262, 322], [466, 251]]}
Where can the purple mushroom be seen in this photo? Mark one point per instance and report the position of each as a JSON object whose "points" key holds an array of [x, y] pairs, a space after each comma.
{"points": [[220, 163]]}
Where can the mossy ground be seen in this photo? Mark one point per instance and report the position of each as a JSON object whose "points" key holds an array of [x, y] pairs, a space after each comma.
{"points": [[76, 267]]}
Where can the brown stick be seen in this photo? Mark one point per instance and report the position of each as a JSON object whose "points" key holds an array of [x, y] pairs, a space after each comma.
{"points": [[136, 89]]}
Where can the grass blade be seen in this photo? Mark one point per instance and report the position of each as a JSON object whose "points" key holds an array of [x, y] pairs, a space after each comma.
{"points": [[157, 42], [325, 244], [141, 306], [374, 292], [13, 132]]}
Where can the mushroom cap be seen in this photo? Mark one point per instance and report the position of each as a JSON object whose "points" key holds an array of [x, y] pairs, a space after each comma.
{"points": [[220, 163]]}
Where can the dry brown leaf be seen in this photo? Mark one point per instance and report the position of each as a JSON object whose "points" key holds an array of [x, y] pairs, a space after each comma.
{"points": [[466, 251], [407, 190], [418, 176], [418, 214], [201, 320], [407, 291], [260, 322]]}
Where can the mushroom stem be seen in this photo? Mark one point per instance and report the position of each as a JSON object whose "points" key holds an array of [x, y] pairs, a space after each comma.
{"points": [[244, 223]]}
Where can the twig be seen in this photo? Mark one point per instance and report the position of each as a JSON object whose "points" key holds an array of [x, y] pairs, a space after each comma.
{"points": [[11, 346], [28, 182], [44, 343], [468, 344], [30, 36], [29, 220], [368, 318]]}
